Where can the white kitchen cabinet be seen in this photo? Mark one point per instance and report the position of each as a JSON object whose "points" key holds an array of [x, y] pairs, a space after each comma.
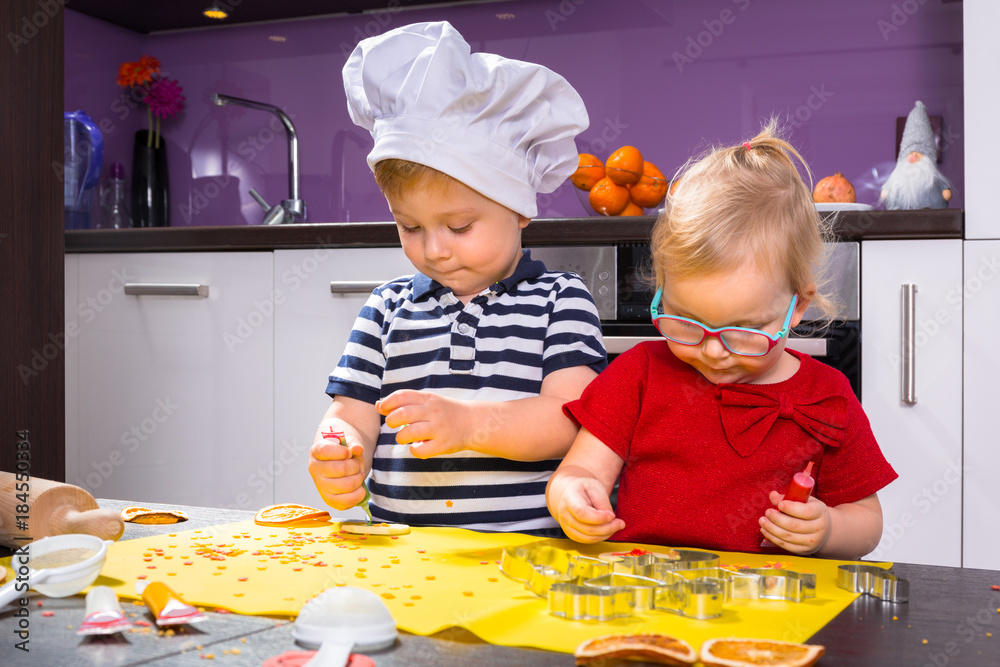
{"points": [[173, 395], [981, 286], [922, 440], [980, 55], [312, 325]]}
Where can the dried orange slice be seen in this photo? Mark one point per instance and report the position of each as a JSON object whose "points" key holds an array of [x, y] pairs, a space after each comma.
{"points": [[286, 513], [145, 515], [649, 647], [733, 652], [365, 528]]}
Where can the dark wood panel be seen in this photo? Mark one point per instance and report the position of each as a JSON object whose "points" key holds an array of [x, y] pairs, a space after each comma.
{"points": [[32, 362], [847, 225]]}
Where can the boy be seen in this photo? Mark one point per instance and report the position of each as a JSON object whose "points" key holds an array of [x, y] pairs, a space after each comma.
{"points": [[470, 360]]}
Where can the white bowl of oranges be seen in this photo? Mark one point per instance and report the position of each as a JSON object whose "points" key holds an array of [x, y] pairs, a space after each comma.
{"points": [[625, 184]]}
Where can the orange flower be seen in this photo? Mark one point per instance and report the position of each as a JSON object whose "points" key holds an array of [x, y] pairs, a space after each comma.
{"points": [[139, 72]]}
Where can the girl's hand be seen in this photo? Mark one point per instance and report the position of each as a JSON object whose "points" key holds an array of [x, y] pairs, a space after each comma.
{"points": [[584, 511], [432, 424], [337, 471], [801, 528]]}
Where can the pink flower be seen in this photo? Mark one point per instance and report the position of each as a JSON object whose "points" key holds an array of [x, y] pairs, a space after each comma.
{"points": [[164, 98]]}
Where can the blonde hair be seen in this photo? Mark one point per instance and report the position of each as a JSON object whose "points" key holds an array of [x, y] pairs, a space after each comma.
{"points": [[743, 202], [395, 176]]}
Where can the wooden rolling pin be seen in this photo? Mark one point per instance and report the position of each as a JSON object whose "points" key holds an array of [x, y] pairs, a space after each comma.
{"points": [[53, 508]]}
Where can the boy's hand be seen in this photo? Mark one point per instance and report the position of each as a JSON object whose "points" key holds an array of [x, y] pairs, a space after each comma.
{"points": [[432, 424], [584, 511], [337, 472], [801, 528]]}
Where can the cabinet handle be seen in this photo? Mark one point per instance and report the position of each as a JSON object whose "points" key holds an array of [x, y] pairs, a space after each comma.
{"points": [[908, 348], [166, 289], [354, 286]]}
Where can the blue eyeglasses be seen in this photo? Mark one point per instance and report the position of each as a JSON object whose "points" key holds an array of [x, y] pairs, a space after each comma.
{"points": [[738, 340]]}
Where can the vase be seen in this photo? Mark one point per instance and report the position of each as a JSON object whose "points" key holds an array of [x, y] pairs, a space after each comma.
{"points": [[150, 183]]}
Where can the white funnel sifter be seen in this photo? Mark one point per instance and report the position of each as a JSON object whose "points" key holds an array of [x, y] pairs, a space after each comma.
{"points": [[56, 567]]}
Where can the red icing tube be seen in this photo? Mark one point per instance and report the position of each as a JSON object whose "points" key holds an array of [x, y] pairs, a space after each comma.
{"points": [[802, 486]]}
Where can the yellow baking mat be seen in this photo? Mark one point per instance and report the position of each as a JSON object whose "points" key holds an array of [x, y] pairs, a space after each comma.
{"points": [[431, 579]]}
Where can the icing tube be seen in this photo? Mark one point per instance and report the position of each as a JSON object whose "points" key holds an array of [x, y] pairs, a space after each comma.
{"points": [[167, 607], [104, 615]]}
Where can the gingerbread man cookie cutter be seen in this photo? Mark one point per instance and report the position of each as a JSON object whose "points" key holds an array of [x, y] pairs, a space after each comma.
{"points": [[874, 581], [684, 582]]}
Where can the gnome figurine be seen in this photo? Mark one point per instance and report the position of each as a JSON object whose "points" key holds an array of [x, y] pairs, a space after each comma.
{"points": [[916, 181]]}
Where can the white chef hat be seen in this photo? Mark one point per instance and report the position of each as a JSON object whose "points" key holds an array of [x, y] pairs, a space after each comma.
{"points": [[503, 127]]}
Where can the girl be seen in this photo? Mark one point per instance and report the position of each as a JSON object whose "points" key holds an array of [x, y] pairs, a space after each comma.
{"points": [[707, 428]]}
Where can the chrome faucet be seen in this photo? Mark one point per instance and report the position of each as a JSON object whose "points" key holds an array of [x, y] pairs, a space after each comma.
{"points": [[292, 209]]}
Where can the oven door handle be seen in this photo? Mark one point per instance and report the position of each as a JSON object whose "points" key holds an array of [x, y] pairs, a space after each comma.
{"points": [[814, 347]]}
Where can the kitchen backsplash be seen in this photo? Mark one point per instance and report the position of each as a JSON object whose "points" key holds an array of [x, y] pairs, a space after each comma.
{"points": [[670, 77]]}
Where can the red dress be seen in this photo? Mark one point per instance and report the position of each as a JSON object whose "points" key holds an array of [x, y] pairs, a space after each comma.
{"points": [[700, 459]]}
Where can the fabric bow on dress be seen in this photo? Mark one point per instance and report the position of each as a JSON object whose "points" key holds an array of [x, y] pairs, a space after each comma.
{"points": [[748, 414]]}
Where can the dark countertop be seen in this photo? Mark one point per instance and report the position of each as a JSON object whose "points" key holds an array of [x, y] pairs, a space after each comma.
{"points": [[953, 609], [847, 225]]}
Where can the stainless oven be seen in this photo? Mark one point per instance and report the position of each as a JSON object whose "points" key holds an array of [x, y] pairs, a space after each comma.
{"points": [[618, 279]]}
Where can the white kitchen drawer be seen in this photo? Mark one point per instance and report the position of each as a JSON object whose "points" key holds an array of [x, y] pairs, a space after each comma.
{"points": [[174, 393]]}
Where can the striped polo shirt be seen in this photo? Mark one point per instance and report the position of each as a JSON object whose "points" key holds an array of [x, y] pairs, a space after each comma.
{"points": [[413, 333]]}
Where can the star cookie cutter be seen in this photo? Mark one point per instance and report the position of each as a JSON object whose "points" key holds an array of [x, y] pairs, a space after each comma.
{"points": [[874, 581]]}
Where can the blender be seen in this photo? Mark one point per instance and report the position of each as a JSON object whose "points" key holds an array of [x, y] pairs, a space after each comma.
{"points": [[83, 147]]}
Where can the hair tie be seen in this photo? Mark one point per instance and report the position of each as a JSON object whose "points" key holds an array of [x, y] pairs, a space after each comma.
{"points": [[746, 145]]}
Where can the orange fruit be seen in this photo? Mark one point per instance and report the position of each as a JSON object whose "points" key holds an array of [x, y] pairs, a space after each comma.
{"points": [[650, 190], [632, 209], [650, 647], [608, 198], [834, 188], [730, 652], [589, 171], [279, 515], [624, 166], [673, 185]]}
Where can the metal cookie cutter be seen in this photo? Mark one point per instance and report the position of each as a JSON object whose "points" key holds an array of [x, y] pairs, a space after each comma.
{"points": [[540, 567], [654, 565], [786, 585], [873, 581], [736, 585]]}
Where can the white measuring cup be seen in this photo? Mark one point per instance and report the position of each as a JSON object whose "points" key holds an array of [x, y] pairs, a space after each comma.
{"points": [[57, 566], [340, 620]]}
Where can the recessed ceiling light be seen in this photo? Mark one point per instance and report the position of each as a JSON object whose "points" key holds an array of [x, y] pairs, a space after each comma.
{"points": [[277, 38], [505, 16], [214, 11]]}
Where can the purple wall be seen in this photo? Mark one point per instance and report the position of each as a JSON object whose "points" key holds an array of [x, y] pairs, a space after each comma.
{"points": [[666, 76]]}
